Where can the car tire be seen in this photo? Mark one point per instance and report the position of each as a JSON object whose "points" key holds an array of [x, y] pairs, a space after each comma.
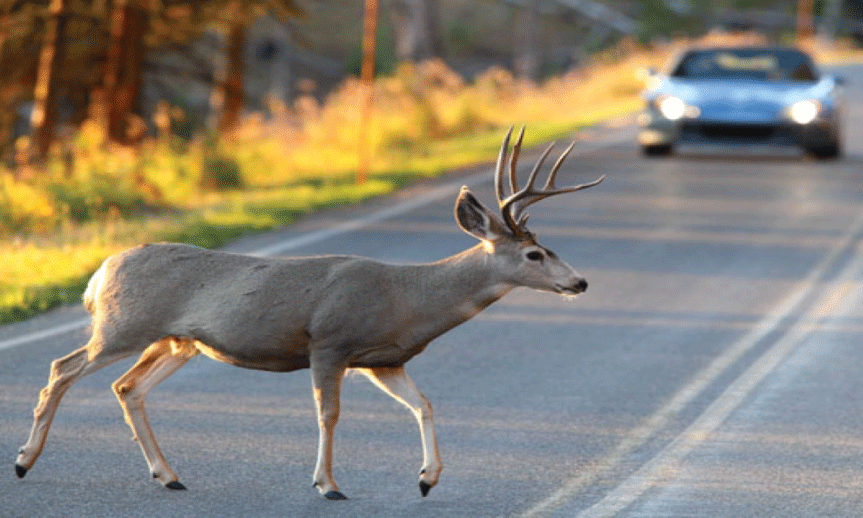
{"points": [[657, 150], [828, 152]]}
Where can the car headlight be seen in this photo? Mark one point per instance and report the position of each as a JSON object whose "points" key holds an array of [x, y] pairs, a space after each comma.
{"points": [[804, 112], [671, 107], [674, 108]]}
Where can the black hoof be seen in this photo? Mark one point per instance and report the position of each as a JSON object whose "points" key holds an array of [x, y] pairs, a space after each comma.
{"points": [[175, 485], [20, 470], [425, 487], [335, 495]]}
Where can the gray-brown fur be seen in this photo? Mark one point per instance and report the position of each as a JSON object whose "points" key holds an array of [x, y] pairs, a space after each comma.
{"points": [[168, 302]]}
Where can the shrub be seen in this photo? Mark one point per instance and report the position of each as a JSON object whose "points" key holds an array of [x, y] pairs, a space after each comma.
{"points": [[220, 173], [98, 197], [25, 207]]}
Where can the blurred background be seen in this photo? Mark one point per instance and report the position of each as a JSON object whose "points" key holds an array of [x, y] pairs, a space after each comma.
{"points": [[129, 121]]}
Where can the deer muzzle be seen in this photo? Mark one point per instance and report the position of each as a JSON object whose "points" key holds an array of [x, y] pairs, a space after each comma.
{"points": [[578, 286]]}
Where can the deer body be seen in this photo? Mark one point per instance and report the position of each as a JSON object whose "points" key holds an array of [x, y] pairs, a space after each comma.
{"points": [[169, 302], [266, 313]]}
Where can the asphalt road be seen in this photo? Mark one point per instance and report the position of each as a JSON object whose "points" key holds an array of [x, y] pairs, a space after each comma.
{"points": [[712, 369]]}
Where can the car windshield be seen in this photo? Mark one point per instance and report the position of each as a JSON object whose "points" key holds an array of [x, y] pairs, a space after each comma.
{"points": [[758, 64]]}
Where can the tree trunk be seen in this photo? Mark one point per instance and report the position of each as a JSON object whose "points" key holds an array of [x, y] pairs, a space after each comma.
{"points": [[830, 20], [45, 102], [526, 49], [415, 23], [124, 74], [234, 78]]}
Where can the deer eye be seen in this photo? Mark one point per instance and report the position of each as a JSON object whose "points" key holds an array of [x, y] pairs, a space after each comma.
{"points": [[534, 255]]}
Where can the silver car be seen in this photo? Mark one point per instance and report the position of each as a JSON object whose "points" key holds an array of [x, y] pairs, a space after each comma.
{"points": [[742, 95]]}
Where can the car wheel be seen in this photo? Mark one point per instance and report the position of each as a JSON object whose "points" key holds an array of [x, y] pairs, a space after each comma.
{"points": [[657, 150], [828, 152]]}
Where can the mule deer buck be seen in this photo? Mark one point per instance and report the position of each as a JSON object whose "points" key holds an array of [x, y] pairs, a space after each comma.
{"points": [[330, 314]]}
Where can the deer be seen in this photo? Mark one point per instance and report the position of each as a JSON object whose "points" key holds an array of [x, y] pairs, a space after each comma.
{"points": [[330, 314]]}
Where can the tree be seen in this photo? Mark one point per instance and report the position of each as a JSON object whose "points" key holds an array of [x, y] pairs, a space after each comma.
{"points": [[124, 69], [44, 116], [94, 53], [527, 51], [22, 31], [237, 15], [415, 23], [234, 86]]}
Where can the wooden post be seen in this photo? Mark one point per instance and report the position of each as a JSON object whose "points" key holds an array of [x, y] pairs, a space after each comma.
{"points": [[367, 76], [805, 21], [44, 116]]}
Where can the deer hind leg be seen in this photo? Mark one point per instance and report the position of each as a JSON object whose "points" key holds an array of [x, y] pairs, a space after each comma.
{"points": [[397, 383], [326, 385], [158, 361], [65, 372]]}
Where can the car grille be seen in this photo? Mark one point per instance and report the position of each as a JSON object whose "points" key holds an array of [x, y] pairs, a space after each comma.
{"points": [[696, 131]]}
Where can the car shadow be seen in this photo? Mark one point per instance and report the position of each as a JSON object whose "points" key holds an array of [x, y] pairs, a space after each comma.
{"points": [[755, 154]]}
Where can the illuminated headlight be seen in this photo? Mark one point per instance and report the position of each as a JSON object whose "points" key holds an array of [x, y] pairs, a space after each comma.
{"points": [[674, 108], [804, 112]]}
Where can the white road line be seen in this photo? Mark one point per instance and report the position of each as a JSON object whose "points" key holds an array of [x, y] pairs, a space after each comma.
{"points": [[640, 435], [346, 227], [35, 336], [353, 225], [670, 458]]}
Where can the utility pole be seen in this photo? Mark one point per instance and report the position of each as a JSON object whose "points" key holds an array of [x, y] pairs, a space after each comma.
{"points": [[367, 76], [805, 23]]}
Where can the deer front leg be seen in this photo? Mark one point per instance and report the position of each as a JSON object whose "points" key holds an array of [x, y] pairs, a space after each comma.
{"points": [[326, 384], [397, 383]]}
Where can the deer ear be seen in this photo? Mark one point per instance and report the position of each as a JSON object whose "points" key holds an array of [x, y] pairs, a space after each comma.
{"points": [[475, 219]]}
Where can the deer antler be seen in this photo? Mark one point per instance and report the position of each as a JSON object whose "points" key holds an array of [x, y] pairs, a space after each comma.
{"points": [[512, 206]]}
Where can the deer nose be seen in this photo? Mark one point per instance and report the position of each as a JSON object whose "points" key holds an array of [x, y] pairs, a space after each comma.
{"points": [[581, 285]]}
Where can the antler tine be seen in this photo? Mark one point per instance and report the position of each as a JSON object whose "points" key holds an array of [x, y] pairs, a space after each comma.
{"points": [[513, 161], [549, 188], [536, 196], [532, 178], [512, 206], [549, 184], [520, 200], [510, 216], [498, 170]]}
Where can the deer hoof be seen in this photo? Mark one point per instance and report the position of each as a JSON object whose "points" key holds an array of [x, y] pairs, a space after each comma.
{"points": [[175, 485], [20, 470], [335, 495], [425, 487]]}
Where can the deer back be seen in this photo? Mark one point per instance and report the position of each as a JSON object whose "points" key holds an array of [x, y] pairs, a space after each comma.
{"points": [[247, 310]]}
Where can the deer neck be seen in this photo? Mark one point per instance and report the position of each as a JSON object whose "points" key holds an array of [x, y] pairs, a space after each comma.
{"points": [[468, 283]]}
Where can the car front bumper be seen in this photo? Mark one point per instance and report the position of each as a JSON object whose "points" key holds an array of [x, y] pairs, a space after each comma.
{"points": [[657, 130]]}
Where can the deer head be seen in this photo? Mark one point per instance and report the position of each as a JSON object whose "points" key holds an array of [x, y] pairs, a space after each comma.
{"points": [[506, 239]]}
